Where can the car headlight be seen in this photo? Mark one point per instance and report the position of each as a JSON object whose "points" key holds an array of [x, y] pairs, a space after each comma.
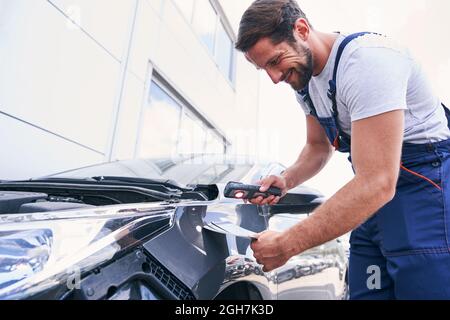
{"points": [[42, 250], [22, 254]]}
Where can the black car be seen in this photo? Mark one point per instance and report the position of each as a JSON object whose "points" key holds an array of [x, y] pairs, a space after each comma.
{"points": [[140, 230]]}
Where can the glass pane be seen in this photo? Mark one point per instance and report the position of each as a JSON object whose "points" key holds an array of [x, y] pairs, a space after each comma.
{"points": [[205, 23], [187, 7], [213, 174], [224, 52], [161, 120], [192, 136], [214, 145]]}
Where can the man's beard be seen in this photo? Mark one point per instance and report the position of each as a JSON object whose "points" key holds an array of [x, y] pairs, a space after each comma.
{"points": [[303, 71]]}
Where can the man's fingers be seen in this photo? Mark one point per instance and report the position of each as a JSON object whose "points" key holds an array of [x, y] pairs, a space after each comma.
{"points": [[275, 201], [266, 263], [267, 183], [257, 235], [257, 201], [271, 264], [268, 268], [257, 257], [272, 200], [268, 200], [253, 244]]}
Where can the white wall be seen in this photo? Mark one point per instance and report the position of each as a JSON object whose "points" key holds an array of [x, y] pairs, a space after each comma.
{"points": [[31, 152], [79, 71], [54, 76]]}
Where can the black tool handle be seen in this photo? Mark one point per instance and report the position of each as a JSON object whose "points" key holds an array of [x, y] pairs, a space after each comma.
{"points": [[236, 190]]}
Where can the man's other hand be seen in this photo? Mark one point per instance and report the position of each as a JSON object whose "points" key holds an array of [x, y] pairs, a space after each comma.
{"points": [[272, 250]]}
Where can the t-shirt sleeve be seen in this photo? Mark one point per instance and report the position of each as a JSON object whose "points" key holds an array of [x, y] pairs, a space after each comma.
{"points": [[374, 81], [302, 104]]}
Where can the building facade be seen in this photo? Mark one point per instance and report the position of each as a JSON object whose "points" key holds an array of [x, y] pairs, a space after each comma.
{"points": [[90, 81]]}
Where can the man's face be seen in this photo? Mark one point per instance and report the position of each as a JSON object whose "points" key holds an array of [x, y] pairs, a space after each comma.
{"points": [[291, 63]]}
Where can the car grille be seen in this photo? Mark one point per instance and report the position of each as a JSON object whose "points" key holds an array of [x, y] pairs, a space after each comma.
{"points": [[168, 280]]}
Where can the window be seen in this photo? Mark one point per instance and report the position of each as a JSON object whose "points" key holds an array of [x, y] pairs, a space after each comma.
{"points": [[205, 21], [170, 126], [160, 124], [224, 52], [210, 28], [192, 136], [214, 144]]}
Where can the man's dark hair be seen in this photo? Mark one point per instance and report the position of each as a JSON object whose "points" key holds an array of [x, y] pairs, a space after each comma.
{"points": [[268, 18]]}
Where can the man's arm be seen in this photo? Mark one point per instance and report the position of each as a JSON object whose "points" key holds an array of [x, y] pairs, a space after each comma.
{"points": [[313, 158], [376, 153]]}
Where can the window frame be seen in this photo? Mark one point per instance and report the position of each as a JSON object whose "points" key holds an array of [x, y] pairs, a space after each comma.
{"points": [[186, 109], [231, 72], [147, 104], [220, 18], [186, 113]]}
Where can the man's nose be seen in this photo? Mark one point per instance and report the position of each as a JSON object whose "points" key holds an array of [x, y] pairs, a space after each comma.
{"points": [[275, 75]]}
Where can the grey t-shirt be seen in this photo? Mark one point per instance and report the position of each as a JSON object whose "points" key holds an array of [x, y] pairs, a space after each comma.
{"points": [[376, 76]]}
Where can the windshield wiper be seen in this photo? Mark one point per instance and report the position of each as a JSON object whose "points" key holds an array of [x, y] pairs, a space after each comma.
{"points": [[160, 182], [189, 192], [162, 186]]}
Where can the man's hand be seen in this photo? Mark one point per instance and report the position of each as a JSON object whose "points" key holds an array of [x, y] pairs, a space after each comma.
{"points": [[272, 250], [266, 183]]}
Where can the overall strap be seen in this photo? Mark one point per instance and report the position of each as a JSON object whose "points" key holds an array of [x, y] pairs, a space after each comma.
{"points": [[341, 141], [332, 90], [332, 83], [307, 99], [447, 114]]}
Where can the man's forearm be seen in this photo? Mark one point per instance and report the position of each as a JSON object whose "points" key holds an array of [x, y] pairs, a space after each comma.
{"points": [[349, 208], [310, 162]]}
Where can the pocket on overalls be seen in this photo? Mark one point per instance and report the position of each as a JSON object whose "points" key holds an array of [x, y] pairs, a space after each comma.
{"points": [[427, 175], [415, 220]]}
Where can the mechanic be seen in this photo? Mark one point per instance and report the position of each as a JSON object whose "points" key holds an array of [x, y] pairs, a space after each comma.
{"points": [[365, 96]]}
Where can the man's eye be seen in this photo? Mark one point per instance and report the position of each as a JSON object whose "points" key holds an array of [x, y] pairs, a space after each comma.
{"points": [[274, 62]]}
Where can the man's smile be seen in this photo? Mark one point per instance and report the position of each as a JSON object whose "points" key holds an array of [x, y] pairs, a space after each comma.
{"points": [[288, 76]]}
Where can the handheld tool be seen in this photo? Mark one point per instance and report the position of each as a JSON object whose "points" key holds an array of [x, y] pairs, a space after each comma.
{"points": [[236, 190]]}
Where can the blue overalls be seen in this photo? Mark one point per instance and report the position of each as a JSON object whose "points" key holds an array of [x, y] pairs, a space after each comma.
{"points": [[403, 251]]}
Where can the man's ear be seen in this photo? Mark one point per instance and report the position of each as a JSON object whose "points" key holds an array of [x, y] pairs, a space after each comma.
{"points": [[302, 29]]}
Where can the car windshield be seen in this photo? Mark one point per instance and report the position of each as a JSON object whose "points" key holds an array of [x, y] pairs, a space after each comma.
{"points": [[189, 170]]}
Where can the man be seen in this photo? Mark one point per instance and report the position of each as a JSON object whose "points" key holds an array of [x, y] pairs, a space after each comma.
{"points": [[363, 95]]}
